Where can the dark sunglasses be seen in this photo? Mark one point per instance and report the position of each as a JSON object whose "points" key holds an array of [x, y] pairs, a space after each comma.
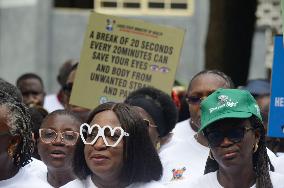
{"points": [[215, 138], [194, 99]]}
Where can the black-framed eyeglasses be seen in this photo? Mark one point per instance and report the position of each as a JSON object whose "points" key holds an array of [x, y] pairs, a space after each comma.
{"points": [[194, 99], [149, 124], [49, 136], [215, 138]]}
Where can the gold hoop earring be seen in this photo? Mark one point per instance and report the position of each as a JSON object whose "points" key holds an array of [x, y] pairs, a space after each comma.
{"points": [[255, 147], [11, 151], [211, 155], [158, 145]]}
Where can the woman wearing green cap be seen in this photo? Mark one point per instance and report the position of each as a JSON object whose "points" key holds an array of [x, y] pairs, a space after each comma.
{"points": [[231, 122]]}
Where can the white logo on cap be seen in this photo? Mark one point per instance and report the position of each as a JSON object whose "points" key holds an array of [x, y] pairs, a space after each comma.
{"points": [[224, 101]]}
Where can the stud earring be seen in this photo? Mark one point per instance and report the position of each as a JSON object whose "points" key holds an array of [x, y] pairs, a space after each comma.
{"points": [[158, 145], [11, 151], [255, 147]]}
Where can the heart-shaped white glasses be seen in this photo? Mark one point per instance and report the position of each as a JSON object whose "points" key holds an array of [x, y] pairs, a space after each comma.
{"points": [[115, 136]]}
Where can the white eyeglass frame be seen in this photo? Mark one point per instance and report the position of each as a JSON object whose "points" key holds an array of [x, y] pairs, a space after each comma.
{"points": [[101, 133]]}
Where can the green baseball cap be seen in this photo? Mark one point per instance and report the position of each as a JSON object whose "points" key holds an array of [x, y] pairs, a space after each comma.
{"points": [[228, 103]]}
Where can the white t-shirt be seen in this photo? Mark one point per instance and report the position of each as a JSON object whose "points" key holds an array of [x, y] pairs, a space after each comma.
{"points": [[186, 152], [51, 103], [38, 169], [88, 183], [23, 179], [184, 157], [210, 181], [36, 166], [279, 164]]}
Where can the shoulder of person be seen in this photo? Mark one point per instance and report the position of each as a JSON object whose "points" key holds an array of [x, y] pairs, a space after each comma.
{"points": [[181, 126], [77, 183], [277, 179], [205, 181], [152, 184], [24, 179], [278, 164], [36, 167]]}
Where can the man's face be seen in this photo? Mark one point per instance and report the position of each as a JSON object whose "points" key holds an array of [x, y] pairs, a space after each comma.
{"points": [[32, 91], [79, 111], [202, 86]]}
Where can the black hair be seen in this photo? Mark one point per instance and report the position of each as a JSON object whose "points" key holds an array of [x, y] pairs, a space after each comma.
{"points": [[63, 113], [74, 67], [29, 76], [67, 87], [37, 114], [183, 111], [158, 105], [141, 162], [65, 70], [228, 81], [19, 123], [12, 90], [261, 161]]}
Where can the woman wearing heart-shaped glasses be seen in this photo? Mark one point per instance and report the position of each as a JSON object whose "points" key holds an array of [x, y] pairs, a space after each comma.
{"points": [[115, 150]]}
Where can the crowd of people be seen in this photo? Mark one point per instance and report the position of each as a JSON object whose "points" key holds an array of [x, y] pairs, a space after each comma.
{"points": [[140, 142]]}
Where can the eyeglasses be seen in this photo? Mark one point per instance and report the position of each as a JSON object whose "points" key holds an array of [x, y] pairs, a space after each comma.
{"points": [[49, 136], [148, 123], [194, 99], [111, 136], [215, 138]]}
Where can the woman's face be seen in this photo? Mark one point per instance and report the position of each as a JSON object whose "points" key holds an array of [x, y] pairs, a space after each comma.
{"points": [[232, 142], [102, 160], [202, 86], [58, 153], [79, 111]]}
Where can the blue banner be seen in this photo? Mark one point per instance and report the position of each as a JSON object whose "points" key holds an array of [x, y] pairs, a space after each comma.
{"points": [[276, 114]]}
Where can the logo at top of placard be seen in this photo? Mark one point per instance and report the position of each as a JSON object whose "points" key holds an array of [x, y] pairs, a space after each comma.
{"points": [[103, 99], [109, 24]]}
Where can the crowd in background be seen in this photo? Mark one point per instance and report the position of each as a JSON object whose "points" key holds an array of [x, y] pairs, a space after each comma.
{"points": [[209, 134]]}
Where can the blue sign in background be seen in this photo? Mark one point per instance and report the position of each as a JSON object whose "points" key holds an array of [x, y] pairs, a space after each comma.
{"points": [[276, 114]]}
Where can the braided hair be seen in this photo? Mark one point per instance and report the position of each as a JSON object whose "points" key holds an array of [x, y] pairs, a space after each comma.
{"points": [[228, 81], [261, 161], [19, 124], [11, 90]]}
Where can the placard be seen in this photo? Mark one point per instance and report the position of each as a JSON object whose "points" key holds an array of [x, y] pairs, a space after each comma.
{"points": [[276, 120], [282, 7], [120, 55]]}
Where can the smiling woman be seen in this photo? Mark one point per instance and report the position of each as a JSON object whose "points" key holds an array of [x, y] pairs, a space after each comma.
{"points": [[58, 134], [115, 151]]}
